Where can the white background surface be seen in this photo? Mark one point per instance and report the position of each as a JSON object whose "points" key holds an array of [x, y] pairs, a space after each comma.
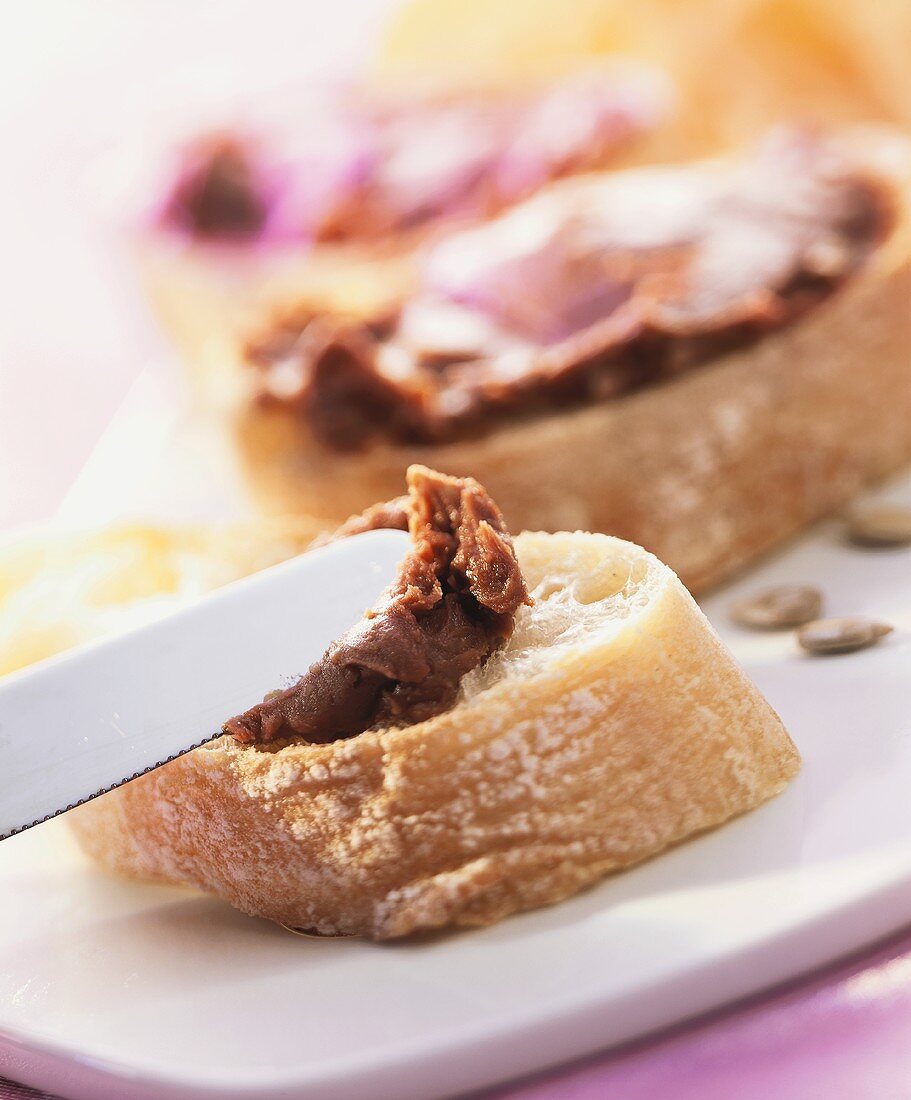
{"points": [[78, 78]]}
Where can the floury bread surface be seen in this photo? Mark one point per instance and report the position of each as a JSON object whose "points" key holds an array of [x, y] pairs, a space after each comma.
{"points": [[612, 725]]}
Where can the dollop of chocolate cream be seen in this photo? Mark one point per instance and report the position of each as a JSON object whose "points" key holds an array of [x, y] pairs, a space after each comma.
{"points": [[359, 165], [217, 194], [590, 290], [451, 606]]}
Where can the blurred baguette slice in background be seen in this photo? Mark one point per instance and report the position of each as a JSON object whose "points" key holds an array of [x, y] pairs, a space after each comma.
{"points": [[60, 588], [613, 635], [610, 726], [340, 196], [707, 470], [207, 306]]}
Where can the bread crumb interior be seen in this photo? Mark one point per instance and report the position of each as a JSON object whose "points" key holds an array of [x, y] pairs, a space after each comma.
{"points": [[579, 591]]}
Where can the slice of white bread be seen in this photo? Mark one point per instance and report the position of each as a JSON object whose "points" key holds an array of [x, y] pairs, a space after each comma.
{"points": [[707, 471], [612, 725], [62, 587]]}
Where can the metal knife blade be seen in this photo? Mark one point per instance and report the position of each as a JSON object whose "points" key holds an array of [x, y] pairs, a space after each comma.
{"points": [[82, 723]]}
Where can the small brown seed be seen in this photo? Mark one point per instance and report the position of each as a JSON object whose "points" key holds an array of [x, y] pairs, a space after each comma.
{"points": [[880, 525], [779, 608], [826, 636]]}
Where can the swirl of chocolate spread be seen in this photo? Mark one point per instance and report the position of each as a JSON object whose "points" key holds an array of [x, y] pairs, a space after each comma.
{"points": [[452, 604], [592, 289], [217, 193], [362, 166]]}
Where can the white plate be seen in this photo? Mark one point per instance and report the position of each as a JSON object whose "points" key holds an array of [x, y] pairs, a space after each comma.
{"points": [[109, 989]]}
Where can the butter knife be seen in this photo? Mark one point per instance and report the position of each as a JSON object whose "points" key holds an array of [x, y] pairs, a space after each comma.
{"points": [[79, 724]]}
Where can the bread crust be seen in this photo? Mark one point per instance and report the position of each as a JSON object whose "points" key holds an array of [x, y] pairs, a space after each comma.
{"points": [[740, 65], [588, 757], [208, 297], [708, 471]]}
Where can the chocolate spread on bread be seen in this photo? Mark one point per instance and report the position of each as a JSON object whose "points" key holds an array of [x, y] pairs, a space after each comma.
{"points": [[358, 166], [451, 606], [590, 290], [217, 194]]}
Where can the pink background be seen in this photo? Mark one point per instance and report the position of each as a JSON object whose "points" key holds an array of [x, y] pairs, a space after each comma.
{"points": [[77, 81]]}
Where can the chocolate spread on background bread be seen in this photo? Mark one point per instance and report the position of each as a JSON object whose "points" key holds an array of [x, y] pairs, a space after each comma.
{"points": [[218, 193], [358, 166], [592, 289], [452, 604]]}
